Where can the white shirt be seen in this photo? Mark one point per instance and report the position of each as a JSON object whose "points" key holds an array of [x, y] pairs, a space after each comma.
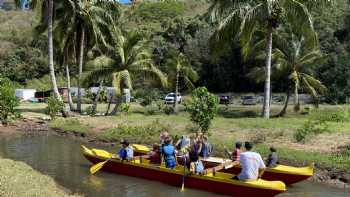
{"points": [[251, 162]]}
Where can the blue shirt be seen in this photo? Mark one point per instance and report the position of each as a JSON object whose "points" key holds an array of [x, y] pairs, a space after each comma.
{"points": [[126, 153]]}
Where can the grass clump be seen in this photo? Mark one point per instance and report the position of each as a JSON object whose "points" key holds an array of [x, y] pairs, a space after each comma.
{"points": [[19, 179], [70, 125], [138, 134]]}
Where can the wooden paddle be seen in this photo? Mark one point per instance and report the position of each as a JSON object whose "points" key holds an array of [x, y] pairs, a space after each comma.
{"points": [[98, 166], [183, 175]]}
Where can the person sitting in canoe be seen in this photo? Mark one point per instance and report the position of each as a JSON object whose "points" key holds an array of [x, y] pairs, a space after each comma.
{"points": [[235, 154], [206, 147], [168, 152], [252, 164], [126, 152], [154, 156], [196, 165], [272, 159], [183, 143]]}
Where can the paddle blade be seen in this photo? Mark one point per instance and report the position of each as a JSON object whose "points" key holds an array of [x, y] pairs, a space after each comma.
{"points": [[183, 187], [97, 167]]}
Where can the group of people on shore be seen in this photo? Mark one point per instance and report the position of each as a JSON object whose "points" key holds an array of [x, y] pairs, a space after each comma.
{"points": [[195, 148]]}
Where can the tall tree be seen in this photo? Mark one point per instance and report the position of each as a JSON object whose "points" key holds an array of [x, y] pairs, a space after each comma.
{"points": [[249, 15], [130, 55], [179, 71]]}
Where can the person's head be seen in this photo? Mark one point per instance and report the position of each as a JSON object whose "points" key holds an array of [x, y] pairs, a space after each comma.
{"points": [[273, 149], [248, 146], [155, 147], [167, 140], [205, 138], [124, 143], [238, 145], [164, 134]]}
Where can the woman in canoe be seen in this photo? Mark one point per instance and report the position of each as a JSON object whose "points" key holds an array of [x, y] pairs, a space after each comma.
{"points": [[168, 151]]}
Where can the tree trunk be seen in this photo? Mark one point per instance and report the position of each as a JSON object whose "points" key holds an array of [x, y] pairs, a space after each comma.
{"points": [[94, 106], [176, 90], [70, 101], [115, 109], [296, 98], [266, 106], [284, 110], [50, 47], [81, 56], [109, 105]]}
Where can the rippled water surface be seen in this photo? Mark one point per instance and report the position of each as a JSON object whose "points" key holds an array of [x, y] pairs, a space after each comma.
{"points": [[61, 159]]}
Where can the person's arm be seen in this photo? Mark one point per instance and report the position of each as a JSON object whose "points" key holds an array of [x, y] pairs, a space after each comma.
{"points": [[228, 153], [262, 167], [261, 172], [199, 148]]}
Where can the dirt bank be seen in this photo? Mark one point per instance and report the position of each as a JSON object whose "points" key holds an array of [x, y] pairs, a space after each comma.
{"points": [[326, 175]]}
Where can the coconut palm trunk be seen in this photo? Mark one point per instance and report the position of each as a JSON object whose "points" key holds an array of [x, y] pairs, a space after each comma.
{"points": [[296, 98], [284, 110], [81, 56], [267, 90], [176, 89], [94, 106], [70, 101], [109, 105], [50, 47], [116, 106]]}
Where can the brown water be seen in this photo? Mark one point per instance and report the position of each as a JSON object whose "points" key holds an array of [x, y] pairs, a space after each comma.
{"points": [[61, 159]]}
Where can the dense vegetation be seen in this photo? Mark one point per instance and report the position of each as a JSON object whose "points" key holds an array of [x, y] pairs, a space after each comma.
{"points": [[176, 27]]}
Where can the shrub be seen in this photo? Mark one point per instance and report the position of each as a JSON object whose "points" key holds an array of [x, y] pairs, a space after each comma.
{"points": [[89, 111], [124, 108], [8, 101], [84, 100], [147, 96], [168, 109], [151, 109], [54, 106], [311, 127], [202, 108]]}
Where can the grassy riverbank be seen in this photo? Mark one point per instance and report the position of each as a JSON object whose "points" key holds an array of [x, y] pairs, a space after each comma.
{"points": [[19, 179], [234, 122]]}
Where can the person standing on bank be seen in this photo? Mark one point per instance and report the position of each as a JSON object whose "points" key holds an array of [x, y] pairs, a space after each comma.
{"points": [[252, 164]]}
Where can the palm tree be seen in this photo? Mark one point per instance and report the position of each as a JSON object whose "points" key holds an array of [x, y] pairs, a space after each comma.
{"points": [[47, 6], [294, 56], [92, 19], [180, 69], [246, 16], [130, 55]]}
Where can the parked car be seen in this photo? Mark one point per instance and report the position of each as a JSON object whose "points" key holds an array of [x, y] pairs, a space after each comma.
{"points": [[170, 98], [248, 100], [224, 99]]}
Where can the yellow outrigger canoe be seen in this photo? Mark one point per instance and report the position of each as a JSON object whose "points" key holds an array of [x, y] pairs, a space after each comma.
{"points": [[217, 182], [287, 174]]}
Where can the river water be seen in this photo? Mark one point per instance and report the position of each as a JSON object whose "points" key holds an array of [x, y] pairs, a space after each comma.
{"points": [[61, 159]]}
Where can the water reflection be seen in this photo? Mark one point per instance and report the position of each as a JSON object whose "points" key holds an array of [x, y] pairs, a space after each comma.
{"points": [[61, 159]]}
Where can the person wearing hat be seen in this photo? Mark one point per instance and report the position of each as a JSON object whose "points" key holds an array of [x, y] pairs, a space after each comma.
{"points": [[272, 159], [126, 152], [252, 164]]}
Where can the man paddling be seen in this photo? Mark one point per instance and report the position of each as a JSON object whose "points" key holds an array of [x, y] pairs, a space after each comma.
{"points": [[252, 164]]}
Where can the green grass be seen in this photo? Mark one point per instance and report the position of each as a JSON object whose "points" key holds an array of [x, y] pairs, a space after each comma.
{"points": [[19, 179], [70, 125]]}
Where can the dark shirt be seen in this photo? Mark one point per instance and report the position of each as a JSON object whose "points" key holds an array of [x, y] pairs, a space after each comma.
{"points": [[272, 160]]}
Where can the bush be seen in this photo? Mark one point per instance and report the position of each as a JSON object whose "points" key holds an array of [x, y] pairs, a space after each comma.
{"points": [[339, 116], [124, 108], [54, 106], [151, 109], [202, 108], [84, 100], [146, 97], [8, 101], [168, 109], [311, 127], [89, 111]]}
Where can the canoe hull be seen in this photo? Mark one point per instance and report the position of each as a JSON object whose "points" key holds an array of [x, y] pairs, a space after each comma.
{"points": [[190, 181], [288, 179]]}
